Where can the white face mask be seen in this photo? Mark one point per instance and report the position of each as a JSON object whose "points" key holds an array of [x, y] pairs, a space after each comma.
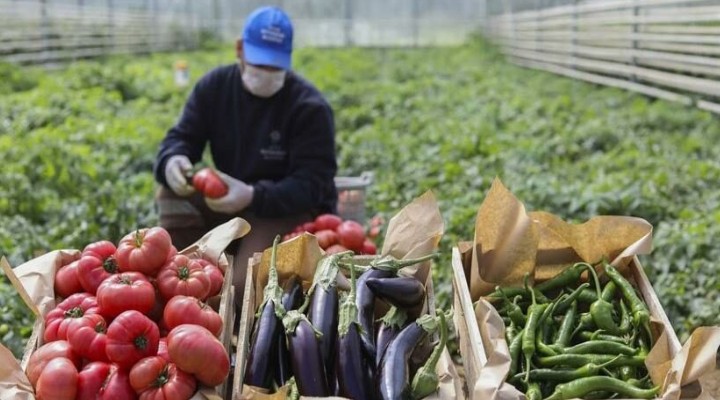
{"points": [[262, 83]]}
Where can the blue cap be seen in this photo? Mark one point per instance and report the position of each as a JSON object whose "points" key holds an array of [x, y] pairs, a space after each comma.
{"points": [[267, 38]]}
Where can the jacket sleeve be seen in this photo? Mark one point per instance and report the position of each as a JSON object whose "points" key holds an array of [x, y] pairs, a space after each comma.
{"points": [[190, 134], [313, 166]]}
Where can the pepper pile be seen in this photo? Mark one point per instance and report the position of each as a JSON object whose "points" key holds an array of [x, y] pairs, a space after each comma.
{"points": [[324, 342], [568, 341]]}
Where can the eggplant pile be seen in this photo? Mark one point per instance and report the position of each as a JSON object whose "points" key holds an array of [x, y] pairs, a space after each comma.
{"points": [[329, 342]]}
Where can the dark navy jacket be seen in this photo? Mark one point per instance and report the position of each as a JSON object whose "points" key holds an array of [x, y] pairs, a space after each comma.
{"points": [[283, 145]]}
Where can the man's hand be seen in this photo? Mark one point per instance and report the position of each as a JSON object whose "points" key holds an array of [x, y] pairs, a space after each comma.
{"points": [[239, 196], [175, 169]]}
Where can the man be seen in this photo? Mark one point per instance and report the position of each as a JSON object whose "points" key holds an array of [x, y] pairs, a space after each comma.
{"points": [[271, 137]]}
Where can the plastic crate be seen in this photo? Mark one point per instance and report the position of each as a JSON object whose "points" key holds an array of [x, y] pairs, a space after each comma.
{"points": [[351, 196]]}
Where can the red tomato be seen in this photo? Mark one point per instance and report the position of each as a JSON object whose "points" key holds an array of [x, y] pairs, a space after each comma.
{"points": [[57, 381], [104, 381], [309, 227], [67, 281], [90, 341], [209, 183], [216, 276], [163, 349], [67, 316], [373, 232], [195, 350], [327, 221], [189, 310], [130, 338], [351, 235], [368, 247], [144, 250], [96, 264], [326, 238], [47, 352], [156, 378], [336, 248], [126, 291], [185, 276]]}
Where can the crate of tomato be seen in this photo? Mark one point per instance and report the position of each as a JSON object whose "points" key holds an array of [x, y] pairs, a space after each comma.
{"points": [[132, 319]]}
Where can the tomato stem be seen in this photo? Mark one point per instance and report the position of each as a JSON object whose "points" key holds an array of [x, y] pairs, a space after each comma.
{"points": [[141, 342], [75, 312], [138, 238], [110, 265], [183, 272]]}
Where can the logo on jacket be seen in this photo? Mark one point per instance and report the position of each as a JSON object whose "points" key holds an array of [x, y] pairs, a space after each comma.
{"points": [[274, 150]]}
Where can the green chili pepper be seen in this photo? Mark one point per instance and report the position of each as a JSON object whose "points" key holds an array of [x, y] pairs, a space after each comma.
{"points": [[587, 296], [601, 310], [565, 302], [563, 337], [566, 278], [510, 332], [578, 360], [640, 313], [599, 395], [512, 310], [601, 347], [625, 318], [599, 335], [534, 314], [514, 347], [586, 323], [518, 291], [534, 392], [608, 292], [567, 375], [580, 387]]}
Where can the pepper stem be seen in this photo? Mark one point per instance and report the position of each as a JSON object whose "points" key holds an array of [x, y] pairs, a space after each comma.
{"points": [[426, 379]]}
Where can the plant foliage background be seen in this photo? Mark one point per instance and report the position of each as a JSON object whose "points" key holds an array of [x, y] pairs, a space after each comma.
{"points": [[77, 146]]}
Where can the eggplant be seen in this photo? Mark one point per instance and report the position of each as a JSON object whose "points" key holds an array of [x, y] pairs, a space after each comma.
{"points": [[390, 325], [263, 344], [291, 299], [403, 292], [384, 267], [393, 376], [353, 374], [305, 355], [426, 381]]}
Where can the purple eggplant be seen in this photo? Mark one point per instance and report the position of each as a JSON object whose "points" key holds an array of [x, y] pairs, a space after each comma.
{"points": [[263, 344], [426, 380], [305, 355], [390, 325], [403, 292], [384, 267], [394, 375], [351, 367], [291, 299]]}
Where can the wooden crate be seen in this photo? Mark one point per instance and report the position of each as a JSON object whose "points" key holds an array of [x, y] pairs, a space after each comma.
{"points": [[475, 344], [247, 316], [224, 304]]}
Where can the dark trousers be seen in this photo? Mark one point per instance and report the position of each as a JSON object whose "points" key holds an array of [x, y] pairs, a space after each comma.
{"points": [[187, 219]]}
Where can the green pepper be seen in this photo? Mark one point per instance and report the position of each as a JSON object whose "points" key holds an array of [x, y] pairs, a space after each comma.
{"points": [[565, 331], [640, 313], [599, 335], [601, 310], [601, 347], [625, 318], [578, 360], [534, 314], [568, 277], [608, 292], [514, 348], [587, 296], [512, 310], [580, 387], [534, 392], [566, 300], [517, 291], [567, 375]]}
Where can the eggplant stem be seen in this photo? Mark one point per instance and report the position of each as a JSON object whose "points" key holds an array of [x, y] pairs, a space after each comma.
{"points": [[273, 291], [389, 263], [395, 317], [426, 380], [348, 310], [325, 275]]}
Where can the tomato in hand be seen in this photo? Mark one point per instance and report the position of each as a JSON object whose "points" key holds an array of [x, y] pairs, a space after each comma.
{"points": [[57, 381], [184, 276], [209, 183], [96, 264], [189, 310], [156, 378], [67, 280], [47, 352], [144, 250], [351, 235], [130, 338], [90, 340], [67, 316], [195, 350], [327, 221], [126, 291], [104, 381]]}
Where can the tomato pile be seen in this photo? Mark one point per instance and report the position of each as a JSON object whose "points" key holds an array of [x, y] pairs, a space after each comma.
{"points": [[336, 235], [132, 323]]}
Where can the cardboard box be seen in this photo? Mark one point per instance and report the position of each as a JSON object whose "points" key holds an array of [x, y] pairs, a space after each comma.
{"points": [[211, 246], [477, 343]]}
